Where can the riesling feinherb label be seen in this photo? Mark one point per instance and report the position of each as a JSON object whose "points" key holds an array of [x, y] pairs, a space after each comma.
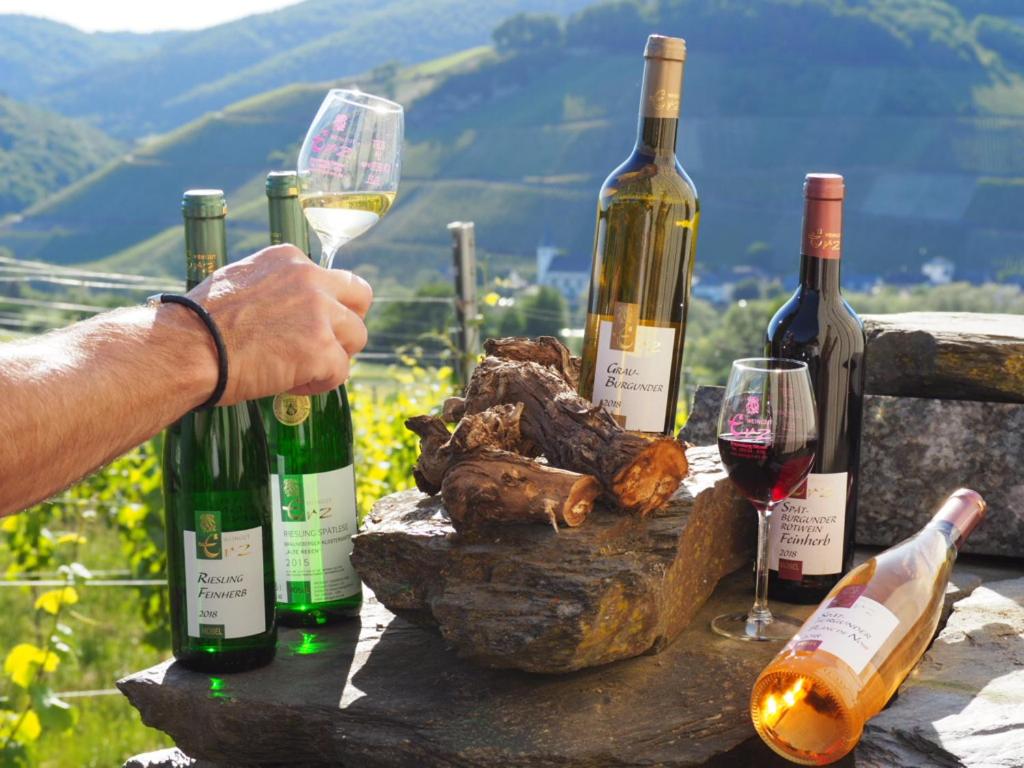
{"points": [[223, 580]]}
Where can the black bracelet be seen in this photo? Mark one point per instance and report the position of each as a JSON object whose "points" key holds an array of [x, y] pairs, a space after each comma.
{"points": [[218, 341]]}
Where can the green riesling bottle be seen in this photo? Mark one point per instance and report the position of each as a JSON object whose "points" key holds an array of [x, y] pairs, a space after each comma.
{"points": [[312, 476], [220, 564]]}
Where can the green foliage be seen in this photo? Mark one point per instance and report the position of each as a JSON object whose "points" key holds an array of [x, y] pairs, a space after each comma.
{"points": [[30, 708], [528, 32], [414, 328], [544, 312], [42, 152], [385, 450], [617, 25]]}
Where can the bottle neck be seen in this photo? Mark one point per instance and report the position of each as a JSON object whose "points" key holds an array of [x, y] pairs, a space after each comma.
{"points": [[821, 245], [657, 136], [287, 222], [658, 123], [959, 516], [820, 275], [205, 249]]}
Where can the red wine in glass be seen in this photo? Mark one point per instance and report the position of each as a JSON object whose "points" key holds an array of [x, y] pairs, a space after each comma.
{"points": [[763, 470]]}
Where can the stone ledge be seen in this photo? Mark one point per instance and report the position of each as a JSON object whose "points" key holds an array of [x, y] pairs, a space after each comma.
{"points": [[946, 355]]}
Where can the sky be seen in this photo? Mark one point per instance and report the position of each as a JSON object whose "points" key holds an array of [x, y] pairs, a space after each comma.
{"points": [[145, 16]]}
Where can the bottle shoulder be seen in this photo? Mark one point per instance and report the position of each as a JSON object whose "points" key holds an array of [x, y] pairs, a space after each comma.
{"points": [[809, 314], [643, 177]]}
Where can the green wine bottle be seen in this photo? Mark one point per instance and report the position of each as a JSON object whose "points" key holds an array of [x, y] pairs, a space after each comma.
{"points": [[220, 565], [644, 247], [312, 477]]}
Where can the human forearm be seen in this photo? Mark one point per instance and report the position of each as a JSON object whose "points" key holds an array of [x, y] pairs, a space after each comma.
{"points": [[76, 398]]}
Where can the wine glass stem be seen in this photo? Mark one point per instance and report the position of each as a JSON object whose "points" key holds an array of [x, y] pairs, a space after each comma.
{"points": [[327, 257], [759, 612]]}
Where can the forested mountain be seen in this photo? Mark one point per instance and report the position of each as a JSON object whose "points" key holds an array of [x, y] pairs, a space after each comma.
{"points": [[922, 113], [41, 152], [38, 53], [196, 72]]}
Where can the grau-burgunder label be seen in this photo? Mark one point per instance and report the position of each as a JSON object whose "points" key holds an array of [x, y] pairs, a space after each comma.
{"points": [[633, 370], [314, 520], [223, 580], [806, 530], [851, 627]]}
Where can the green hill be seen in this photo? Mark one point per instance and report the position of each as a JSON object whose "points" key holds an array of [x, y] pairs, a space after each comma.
{"points": [[313, 41], [925, 121], [41, 152], [37, 53]]}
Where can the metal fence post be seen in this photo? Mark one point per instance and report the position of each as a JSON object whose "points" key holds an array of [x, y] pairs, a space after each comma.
{"points": [[466, 312]]}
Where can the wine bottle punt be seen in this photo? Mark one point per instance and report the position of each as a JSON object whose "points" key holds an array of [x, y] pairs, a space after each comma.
{"points": [[644, 248], [811, 534], [310, 440], [847, 660], [216, 484]]}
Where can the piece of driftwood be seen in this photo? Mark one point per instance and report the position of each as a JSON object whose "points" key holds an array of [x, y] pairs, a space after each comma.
{"points": [[485, 472], [639, 473], [496, 429], [545, 350], [504, 487]]}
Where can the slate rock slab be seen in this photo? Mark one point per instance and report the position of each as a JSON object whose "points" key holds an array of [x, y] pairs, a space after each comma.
{"points": [[964, 704], [525, 597], [382, 693], [946, 355], [914, 452]]}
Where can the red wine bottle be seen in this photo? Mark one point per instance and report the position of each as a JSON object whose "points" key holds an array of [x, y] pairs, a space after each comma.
{"points": [[811, 533]]}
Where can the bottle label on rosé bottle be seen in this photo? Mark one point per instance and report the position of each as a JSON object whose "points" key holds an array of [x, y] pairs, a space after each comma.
{"points": [[806, 530], [850, 626]]}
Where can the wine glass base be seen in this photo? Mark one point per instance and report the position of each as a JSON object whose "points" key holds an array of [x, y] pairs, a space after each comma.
{"points": [[737, 626]]}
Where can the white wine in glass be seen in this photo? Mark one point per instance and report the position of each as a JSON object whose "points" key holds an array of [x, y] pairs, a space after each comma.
{"points": [[349, 166]]}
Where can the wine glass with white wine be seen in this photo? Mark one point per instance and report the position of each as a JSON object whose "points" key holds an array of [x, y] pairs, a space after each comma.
{"points": [[349, 166]]}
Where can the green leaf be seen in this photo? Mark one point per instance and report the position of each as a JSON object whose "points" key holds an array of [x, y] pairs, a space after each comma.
{"points": [[54, 713], [52, 601], [71, 538]]}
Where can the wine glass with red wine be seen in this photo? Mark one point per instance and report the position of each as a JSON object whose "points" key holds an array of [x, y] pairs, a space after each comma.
{"points": [[767, 436]]}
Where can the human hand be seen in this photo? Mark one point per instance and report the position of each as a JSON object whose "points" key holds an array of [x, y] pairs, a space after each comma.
{"points": [[288, 325]]}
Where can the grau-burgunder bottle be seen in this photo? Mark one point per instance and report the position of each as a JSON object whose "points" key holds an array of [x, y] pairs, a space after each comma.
{"points": [[312, 477], [220, 567], [810, 704], [644, 246]]}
